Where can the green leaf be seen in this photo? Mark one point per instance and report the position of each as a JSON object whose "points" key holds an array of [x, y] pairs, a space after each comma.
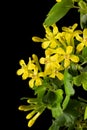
{"points": [[40, 91], [56, 124], [77, 80], [58, 11], [64, 120], [81, 80], [59, 94], [85, 114], [84, 52], [49, 98], [68, 84], [56, 111], [84, 80]]}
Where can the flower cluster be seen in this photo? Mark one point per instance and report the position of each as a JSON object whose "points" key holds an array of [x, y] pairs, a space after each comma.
{"points": [[60, 52]]}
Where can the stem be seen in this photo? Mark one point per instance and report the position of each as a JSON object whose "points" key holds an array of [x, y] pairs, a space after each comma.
{"points": [[83, 100]]}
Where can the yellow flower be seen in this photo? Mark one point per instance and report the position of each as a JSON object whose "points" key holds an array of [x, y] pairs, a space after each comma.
{"points": [[56, 72], [69, 33], [83, 41], [23, 70], [67, 55], [52, 66], [70, 29], [50, 37], [49, 61], [35, 78]]}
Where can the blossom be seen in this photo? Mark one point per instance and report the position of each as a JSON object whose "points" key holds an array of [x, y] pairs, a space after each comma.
{"points": [[83, 40], [67, 55], [69, 33], [56, 72], [52, 66], [35, 78], [50, 39], [23, 70]]}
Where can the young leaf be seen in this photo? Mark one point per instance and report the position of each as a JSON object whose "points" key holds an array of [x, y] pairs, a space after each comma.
{"points": [[58, 11], [81, 79], [57, 123], [68, 85], [56, 111], [85, 114], [77, 80], [84, 52]]}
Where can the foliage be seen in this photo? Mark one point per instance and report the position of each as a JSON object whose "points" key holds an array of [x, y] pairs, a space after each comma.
{"points": [[55, 77]]}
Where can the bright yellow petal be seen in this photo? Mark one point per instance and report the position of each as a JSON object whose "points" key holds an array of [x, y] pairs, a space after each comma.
{"points": [[22, 63], [79, 38], [54, 58], [74, 26], [68, 37], [80, 47], [58, 0], [60, 76], [41, 74], [37, 39], [69, 49], [45, 44], [53, 44], [66, 63], [38, 82], [55, 29], [52, 75], [85, 33], [74, 58], [35, 58], [31, 66], [20, 71], [70, 28], [60, 51], [48, 32], [25, 75], [42, 60], [31, 83], [49, 51]]}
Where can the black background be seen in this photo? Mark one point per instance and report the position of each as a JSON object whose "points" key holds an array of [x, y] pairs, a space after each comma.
{"points": [[29, 16]]}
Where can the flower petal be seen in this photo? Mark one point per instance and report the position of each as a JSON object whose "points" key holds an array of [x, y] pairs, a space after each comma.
{"points": [[55, 29], [66, 63], [38, 82], [25, 75], [80, 47], [37, 39], [20, 71], [74, 58], [31, 83], [45, 44], [69, 49], [60, 76], [60, 51], [42, 60]]}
